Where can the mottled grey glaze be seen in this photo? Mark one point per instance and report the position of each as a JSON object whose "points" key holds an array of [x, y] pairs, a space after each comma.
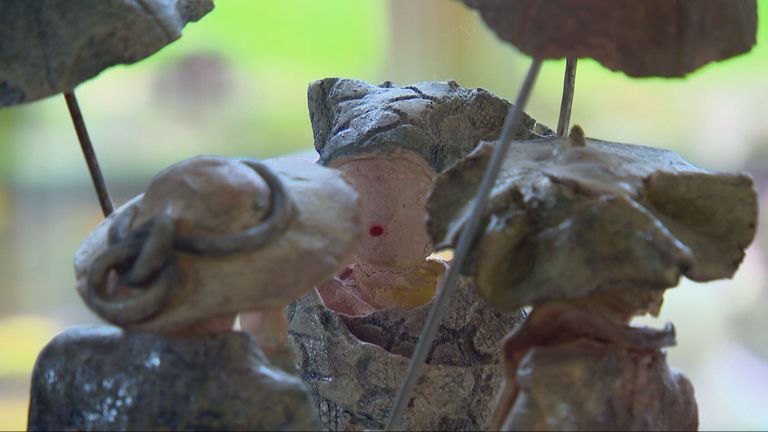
{"points": [[51, 46], [354, 365], [440, 121], [101, 378]]}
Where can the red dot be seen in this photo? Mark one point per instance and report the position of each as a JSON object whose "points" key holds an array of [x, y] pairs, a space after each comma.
{"points": [[376, 231]]}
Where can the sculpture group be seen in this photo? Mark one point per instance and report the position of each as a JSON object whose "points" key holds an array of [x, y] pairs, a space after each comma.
{"points": [[285, 294]]}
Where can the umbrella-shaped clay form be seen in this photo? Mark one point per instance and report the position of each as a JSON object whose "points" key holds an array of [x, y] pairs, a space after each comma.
{"points": [[591, 233], [647, 38], [355, 334], [211, 237], [51, 46]]}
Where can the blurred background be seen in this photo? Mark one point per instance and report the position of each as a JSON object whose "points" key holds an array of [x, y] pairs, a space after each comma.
{"points": [[235, 85]]}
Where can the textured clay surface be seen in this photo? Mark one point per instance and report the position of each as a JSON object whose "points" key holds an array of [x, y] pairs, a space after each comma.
{"points": [[101, 378], [641, 38], [439, 121], [354, 364]]}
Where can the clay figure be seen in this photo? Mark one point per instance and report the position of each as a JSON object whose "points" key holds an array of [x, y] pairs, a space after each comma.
{"points": [[590, 233], [210, 238], [236, 233], [354, 335], [390, 142]]}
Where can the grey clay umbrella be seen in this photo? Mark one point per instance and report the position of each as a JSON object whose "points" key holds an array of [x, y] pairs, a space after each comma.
{"points": [[51, 46]]}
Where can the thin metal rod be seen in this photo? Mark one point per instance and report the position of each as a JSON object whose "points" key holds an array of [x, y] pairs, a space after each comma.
{"points": [[445, 292], [569, 85], [90, 156]]}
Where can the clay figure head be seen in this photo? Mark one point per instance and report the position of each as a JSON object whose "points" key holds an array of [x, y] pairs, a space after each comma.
{"points": [[214, 236], [391, 142], [572, 217]]}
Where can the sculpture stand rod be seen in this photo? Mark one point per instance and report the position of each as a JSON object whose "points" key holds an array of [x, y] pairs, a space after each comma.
{"points": [[446, 289], [90, 156], [569, 85]]}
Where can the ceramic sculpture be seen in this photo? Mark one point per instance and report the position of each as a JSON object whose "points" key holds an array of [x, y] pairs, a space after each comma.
{"points": [[591, 233], [588, 233], [211, 237], [223, 211], [354, 336]]}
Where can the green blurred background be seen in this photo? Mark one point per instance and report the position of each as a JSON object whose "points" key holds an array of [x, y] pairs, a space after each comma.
{"points": [[235, 85]]}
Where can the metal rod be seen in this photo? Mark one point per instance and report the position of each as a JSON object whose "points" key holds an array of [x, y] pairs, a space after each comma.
{"points": [[445, 292], [569, 85], [90, 156]]}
